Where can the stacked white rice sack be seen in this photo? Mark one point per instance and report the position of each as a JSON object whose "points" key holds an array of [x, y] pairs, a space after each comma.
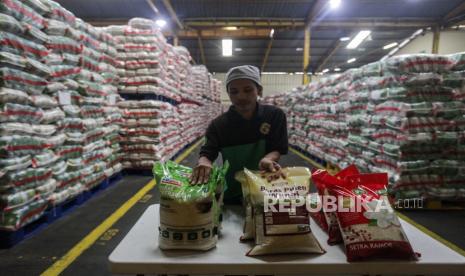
{"points": [[404, 116]]}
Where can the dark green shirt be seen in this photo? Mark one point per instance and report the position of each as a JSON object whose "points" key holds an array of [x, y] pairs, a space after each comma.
{"points": [[245, 142]]}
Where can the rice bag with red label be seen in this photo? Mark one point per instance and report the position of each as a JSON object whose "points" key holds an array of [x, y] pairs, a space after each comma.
{"points": [[369, 226], [322, 178]]}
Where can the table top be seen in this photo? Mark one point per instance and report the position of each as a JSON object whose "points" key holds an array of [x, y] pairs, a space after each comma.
{"points": [[138, 253]]}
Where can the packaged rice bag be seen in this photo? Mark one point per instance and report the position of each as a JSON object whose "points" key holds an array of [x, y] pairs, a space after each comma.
{"points": [[279, 230], [369, 226], [189, 214], [249, 225], [318, 216], [322, 178]]}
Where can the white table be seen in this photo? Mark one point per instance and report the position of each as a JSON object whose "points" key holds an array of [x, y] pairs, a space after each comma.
{"points": [[138, 253]]}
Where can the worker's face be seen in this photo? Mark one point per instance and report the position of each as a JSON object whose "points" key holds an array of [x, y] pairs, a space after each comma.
{"points": [[243, 94]]}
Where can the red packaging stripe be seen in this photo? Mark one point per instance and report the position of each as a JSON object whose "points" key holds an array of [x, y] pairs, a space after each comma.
{"points": [[30, 82], [33, 178], [20, 46], [24, 11]]}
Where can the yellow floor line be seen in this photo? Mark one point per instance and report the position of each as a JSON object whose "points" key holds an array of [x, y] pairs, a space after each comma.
{"points": [[314, 164], [60, 265], [407, 219], [432, 234]]}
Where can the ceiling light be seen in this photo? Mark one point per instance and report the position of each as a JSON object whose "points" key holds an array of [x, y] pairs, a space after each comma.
{"points": [[160, 23], [271, 33], [418, 32], [345, 38], [351, 60], [334, 4], [325, 71], [230, 28], [274, 73], [405, 42], [390, 45], [227, 47], [337, 69], [238, 49], [358, 39], [299, 73], [299, 49]]}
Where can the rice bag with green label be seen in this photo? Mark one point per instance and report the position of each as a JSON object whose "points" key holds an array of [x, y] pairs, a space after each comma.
{"points": [[189, 214]]}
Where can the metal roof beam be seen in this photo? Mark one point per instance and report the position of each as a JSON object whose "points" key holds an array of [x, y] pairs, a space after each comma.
{"points": [[152, 6], [220, 33], [172, 13], [327, 56], [372, 23], [456, 12], [202, 53], [267, 53], [317, 7]]}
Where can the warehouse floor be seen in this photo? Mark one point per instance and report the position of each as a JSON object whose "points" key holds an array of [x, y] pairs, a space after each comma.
{"points": [[38, 253]]}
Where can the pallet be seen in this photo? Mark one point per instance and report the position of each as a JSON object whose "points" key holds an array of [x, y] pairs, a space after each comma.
{"points": [[10, 238]]}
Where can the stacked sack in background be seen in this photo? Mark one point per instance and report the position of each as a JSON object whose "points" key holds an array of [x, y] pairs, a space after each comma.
{"points": [[412, 125], [171, 101], [317, 118], [29, 137], [143, 55], [58, 136], [148, 128], [405, 116]]}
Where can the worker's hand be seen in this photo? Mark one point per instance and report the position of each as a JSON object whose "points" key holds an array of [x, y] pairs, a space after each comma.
{"points": [[266, 164], [201, 172]]}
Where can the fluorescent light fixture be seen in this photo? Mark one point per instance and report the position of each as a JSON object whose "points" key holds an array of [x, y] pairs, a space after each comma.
{"points": [[345, 38], [274, 73], [393, 51], [390, 45], [230, 28], [358, 39], [227, 47], [337, 69], [325, 71], [271, 33], [334, 4], [351, 60], [160, 23], [299, 49], [405, 42], [299, 73], [461, 26], [418, 32], [238, 49]]}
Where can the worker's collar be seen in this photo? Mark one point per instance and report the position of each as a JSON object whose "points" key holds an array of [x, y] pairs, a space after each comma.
{"points": [[257, 114]]}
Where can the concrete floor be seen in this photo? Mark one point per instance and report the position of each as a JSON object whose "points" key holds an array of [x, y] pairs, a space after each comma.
{"points": [[34, 255]]}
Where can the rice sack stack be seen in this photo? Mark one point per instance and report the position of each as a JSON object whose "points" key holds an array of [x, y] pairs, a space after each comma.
{"points": [[189, 214]]}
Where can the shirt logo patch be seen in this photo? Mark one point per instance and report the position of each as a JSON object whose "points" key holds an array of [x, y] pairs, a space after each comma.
{"points": [[265, 128]]}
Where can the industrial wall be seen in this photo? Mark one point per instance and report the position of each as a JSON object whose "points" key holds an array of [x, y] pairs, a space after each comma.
{"points": [[272, 84], [450, 41]]}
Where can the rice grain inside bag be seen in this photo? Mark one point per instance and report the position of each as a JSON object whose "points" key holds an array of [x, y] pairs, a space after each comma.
{"points": [[287, 231]]}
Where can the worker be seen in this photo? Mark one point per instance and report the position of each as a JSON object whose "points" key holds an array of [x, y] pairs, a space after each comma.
{"points": [[249, 135]]}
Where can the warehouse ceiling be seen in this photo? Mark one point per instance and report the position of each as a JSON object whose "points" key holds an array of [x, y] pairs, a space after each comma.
{"points": [[200, 25]]}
